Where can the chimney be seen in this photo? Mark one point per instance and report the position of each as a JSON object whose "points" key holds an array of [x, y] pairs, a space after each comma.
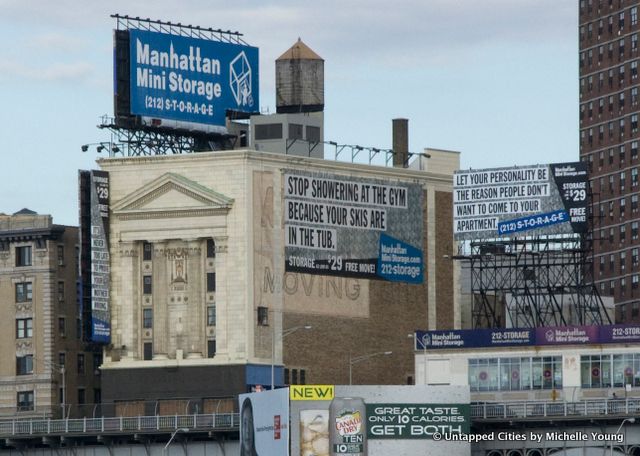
{"points": [[400, 143]]}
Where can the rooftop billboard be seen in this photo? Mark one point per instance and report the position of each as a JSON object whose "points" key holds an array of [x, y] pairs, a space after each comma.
{"points": [[183, 82], [520, 201]]}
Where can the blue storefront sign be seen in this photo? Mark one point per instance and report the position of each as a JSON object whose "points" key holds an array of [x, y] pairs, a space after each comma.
{"points": [[513, 337], [191, 80]]}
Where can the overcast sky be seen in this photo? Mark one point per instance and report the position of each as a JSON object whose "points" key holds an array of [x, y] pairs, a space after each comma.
{"points": [[496, 80]]}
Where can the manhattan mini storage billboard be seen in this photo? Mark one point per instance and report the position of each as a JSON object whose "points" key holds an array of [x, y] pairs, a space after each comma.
{"points": [[94, 255], [353, 227], [520, 201], [516, 337], [189, 80]]}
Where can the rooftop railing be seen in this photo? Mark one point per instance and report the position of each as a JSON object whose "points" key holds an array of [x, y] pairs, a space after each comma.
{"points": [[596, 408], [35, 427]]}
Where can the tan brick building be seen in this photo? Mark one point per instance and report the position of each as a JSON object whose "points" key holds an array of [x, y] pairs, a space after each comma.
{"points": [[199, 296], [45, 366]]}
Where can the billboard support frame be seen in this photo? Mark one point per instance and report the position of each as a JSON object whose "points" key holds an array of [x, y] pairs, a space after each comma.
{"points": [[139, 141], [539, 272], [124, 22]]}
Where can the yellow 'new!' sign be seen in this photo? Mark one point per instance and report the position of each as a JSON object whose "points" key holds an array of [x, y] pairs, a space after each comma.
{"points": [[311, 392]]}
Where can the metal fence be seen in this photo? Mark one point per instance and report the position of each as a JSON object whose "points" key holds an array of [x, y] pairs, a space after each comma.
{"points": [[187, 406], [531, 410], [105, 425]]}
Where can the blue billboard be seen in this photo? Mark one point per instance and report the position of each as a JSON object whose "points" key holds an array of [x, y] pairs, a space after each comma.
{"points": [[190, 80]]}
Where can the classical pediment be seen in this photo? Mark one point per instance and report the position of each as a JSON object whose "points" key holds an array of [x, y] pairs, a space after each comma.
{"points": [[171, 195]]}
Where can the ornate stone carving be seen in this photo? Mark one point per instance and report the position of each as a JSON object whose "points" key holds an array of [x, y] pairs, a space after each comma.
{"points": [[221, 244], [24, 306], [24, 347]]}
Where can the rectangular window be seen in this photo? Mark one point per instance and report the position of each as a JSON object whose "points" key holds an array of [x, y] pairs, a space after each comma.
{"points": [[24, 328], [81, 396], [263, 316], [60, 291], [148, 351], [24, 365], [313, 134], [268, 131], [147, 318], [24, 291], [211, 248], [211, 281], [146, 284], [211, 348], [23, 256], [62, 327], [512, 374], [211, 315], [25, 401], [62, 359], [81, 363], [295, 131], [635, 309], [61, 255], [147, 251], [97, 362]]}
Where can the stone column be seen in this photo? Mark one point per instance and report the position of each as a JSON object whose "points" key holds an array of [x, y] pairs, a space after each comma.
{"points": [[222, 300], [195, 297], [160, 306], [127, 302]]}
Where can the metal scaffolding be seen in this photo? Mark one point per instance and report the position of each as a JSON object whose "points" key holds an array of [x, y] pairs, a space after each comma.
{"points": [[532, 282]]}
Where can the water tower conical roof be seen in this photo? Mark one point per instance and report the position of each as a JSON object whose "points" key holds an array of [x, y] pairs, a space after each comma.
{"points": [[299, 51]]}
